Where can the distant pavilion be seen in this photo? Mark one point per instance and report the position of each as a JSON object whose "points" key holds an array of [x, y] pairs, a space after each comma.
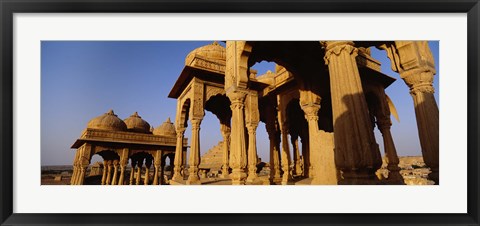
{"points": [[118, 141]]}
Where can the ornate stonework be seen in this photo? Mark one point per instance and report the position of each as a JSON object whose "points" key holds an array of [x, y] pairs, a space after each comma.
{"points": [[324, 100]]}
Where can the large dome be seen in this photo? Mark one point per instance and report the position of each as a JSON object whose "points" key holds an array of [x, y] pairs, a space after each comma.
{"points": [[212, 51], [135, 123], [107, 121], [166, 129]]}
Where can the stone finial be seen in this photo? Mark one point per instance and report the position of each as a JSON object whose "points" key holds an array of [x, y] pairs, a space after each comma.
{"points": [[110, 112], [135, 114], [168, 120], [215, 43]]}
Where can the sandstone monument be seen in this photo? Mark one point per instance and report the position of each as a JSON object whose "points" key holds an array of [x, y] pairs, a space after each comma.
{"points": [[118, 141], [328, 96]]}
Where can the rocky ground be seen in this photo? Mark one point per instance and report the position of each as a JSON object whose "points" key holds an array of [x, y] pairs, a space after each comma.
{"points": [[413, 171]]}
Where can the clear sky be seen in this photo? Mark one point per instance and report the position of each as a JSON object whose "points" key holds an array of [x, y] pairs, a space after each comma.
{"points": [[81, 80]]}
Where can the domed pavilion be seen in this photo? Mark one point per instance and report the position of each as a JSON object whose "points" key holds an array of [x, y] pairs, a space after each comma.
{"points": [[128, 147], [298, 104]]}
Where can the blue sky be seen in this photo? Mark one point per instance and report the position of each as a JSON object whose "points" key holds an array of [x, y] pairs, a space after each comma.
{"points": [[81, 80]]}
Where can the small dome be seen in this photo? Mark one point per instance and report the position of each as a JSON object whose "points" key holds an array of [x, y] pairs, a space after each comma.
{"points": [[212, 51], [166, 129], [135, 123], [107, 121]]}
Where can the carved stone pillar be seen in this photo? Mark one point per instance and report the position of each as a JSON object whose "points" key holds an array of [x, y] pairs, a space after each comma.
{"points": [[83, 171], [286, 177], [138, 176], [156, 165], [252, 118], [123, 165], [178, 160], [384, 125], [132, 171], [414, 61], [115, 171], [426, 111], [75, 168], [275, 176], [104, 174], [226, 150], [84, 154], [160, 173], [311, 114], [238, 155], [306, 156], [122, 174], [252, 152], [194, 159], [109, 172], [156, 168], [148, 164], [297, 168], [356, 152]]}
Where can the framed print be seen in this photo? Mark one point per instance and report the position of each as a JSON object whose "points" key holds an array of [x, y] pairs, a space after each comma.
{"points": [[255, 113]]}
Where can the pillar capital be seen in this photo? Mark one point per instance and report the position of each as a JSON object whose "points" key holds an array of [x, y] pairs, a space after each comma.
{"points": [[196, 123], [419, 80], [237, 99], [337, 47], [252, 126], [225, 131], [311, 111], [180, 131]]}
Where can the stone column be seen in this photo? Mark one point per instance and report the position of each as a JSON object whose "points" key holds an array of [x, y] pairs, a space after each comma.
{"points": [[109, 172], [384, 125], [194, 159], [122, 174], [296, 156], [306, 156], [139, 172], [148, 164], [252, 118], [275, 176], [226, 149], [156, 165], [238, 155], [252, 152], [75, 168], [426, 111], [356, 152], [123, 165], [155, 176], [104, 174], [83, 171], [311, 114], [286, 177], [132, 171], [178, 161], [115, 171], [83, 156], [414, 61], [161, 174]]}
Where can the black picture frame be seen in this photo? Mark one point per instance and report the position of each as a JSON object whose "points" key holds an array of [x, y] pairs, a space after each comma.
{"points": [[10, 7]]}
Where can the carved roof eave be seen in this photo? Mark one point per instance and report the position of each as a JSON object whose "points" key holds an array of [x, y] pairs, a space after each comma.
{"points": [[188, 73], [365, 60], [377, 76], [125, 138]]}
